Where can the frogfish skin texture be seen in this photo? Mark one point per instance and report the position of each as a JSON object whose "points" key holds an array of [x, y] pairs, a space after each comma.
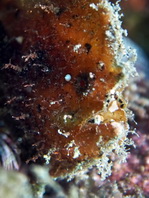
{"points": [[63, 74]]}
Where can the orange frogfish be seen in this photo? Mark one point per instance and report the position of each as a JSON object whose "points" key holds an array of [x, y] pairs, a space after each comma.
{"points": [[64, 67]]}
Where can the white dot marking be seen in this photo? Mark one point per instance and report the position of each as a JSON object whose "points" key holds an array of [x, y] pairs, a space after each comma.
{"points": [[68, 77]]}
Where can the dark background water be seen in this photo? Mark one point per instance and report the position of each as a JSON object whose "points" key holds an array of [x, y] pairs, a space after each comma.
{"points": [[136, 21]]}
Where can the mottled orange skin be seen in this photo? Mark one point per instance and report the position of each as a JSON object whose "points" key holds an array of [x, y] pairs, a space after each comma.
{"points": [[51, 37]]}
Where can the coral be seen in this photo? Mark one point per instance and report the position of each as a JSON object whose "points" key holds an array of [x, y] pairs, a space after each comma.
{"points": [[64, 69], [14, 185]]}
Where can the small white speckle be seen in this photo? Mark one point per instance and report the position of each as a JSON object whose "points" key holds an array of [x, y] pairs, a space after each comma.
{"points": [[95, 7], [65, 134], [76, 48], [76, 152], [102, 80], [66, 117], [53, 102], [85, 93], [68, 77], [91, 75], [56, 102], [19, 39], [72, 144]]}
